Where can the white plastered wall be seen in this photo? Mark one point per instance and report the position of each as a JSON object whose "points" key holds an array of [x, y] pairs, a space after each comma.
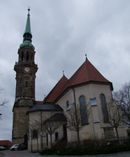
{"points": [[34, 145], [94, 130]]}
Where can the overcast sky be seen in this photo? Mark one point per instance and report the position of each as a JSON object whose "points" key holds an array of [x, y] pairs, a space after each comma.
{"points": [[63, 32]]}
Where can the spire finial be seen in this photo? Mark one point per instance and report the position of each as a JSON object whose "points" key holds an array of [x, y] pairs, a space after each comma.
{"points": [[63, 72], [28, 10], [86, 56]]}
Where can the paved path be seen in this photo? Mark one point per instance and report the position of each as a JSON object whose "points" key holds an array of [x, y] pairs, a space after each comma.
{"points": [[27, 154], [1, 154], [9, 153]]}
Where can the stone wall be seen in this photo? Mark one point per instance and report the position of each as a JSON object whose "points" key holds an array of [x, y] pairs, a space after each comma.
{"points": [[20, 124]]}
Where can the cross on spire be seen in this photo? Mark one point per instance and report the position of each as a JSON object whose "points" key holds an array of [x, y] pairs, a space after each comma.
{"points": [[28, 10], [63, 72], [86, 56]]}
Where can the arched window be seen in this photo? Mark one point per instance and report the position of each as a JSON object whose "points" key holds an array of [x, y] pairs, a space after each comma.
{"points": [[34, 133], [83, 110], [26, 83], [104, 108], [22, 55], [27, 56]]}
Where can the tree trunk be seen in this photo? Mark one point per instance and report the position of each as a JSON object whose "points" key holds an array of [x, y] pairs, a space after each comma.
{"points": [[31, 143], [50, 140], [41, 132], [117, 134], [78, 137], [76, 118], [41, 143], [37, 145]]}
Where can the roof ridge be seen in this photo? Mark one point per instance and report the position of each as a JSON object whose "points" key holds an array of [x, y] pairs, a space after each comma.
{"points": [[76, 71], [86, 73], [51, 91]]}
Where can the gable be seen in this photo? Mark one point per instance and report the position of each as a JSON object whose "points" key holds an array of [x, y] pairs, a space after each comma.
{"points": [[86, 74]]}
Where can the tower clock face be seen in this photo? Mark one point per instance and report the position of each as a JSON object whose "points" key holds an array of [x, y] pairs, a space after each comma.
{"points": [[26, 69]]}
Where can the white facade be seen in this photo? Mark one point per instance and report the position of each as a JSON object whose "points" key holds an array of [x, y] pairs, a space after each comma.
{"points": [[96, 129], [41, 141]]}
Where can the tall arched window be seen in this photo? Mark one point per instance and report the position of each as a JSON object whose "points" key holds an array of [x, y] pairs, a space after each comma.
{"points": [[83, 110], [104, 108]]}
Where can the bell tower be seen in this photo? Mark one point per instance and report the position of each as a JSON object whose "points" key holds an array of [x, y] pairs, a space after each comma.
{"points": [[25, 70]]}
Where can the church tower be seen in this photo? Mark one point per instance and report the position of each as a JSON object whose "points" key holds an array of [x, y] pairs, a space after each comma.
{"points": [[25, 70]]}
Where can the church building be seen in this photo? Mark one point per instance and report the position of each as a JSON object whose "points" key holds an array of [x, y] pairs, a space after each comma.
{"points": [[76, 109]]}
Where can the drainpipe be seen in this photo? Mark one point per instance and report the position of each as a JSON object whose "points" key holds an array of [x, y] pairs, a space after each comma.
{"points": [[76, 116], [93, 124], [41, 132]]}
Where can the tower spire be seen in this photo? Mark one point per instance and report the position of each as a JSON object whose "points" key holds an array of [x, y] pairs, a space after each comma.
{"points": [[27, 34]]}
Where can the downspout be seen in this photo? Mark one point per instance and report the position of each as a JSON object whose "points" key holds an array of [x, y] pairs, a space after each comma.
{"points": [[29, 134], [76, 116], [93, 125], [41, 132]]}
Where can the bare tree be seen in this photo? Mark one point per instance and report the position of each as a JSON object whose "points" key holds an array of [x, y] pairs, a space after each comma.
{"points": [[30, 129], [115, 116], [34, 126], [52, 124], [49, 126], [123, 98], [2, 102], [74, 119]]}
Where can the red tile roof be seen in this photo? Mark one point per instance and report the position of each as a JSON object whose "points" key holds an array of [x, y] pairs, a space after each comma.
{"points": [[5, 143], [86, 73], [56, 91]]}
